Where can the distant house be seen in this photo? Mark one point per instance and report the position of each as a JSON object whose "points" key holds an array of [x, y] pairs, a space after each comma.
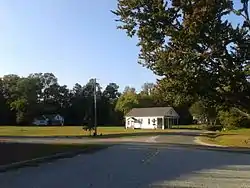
{"points": [[50, 119], [40, 121], [151, 118]]}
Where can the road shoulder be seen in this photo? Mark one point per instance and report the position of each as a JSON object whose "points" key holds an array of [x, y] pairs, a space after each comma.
{"points": [[198, 140], [201, 142]]}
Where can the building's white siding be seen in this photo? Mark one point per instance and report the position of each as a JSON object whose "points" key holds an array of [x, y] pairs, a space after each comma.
{"points": [[141, 122]]}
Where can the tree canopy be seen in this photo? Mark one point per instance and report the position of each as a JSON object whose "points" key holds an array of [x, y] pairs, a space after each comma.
{"points": [[194, 46]]}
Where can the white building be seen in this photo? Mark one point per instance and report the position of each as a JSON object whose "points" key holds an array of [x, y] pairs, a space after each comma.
{"points": [[151, 118]]}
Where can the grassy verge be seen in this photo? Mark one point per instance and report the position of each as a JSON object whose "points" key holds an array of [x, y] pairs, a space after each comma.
{"points": [[76, 131], [16, 152], [233, 138], [190, 127]]}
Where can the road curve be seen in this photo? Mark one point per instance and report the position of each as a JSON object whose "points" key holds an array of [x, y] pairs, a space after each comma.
{"points": [[137, 165]]}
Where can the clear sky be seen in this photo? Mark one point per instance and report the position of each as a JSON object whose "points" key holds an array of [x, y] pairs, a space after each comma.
{"points": [[74, 39]]}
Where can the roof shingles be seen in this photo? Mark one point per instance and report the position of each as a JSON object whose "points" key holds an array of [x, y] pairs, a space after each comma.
{"points": [[148, 112]]}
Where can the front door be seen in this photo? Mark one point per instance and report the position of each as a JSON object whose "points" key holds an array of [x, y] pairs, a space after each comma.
{"points": [[132, 124], [159, 123]]}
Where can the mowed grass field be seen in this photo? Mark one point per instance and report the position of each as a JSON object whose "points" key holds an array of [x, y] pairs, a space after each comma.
{"points": [[232, 138], [73, 131]]}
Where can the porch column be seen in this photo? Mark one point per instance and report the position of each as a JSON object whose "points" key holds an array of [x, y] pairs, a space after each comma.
{"points": [[163, 125]]}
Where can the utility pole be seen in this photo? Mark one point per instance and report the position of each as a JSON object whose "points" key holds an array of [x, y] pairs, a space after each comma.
{"points": [[95, 114]]}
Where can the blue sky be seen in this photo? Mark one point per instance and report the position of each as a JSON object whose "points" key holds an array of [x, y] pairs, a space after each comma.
{"points": [[75, 39]]}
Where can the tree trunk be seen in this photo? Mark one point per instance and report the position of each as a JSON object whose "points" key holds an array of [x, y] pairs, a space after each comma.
{"points": [[215, 121], [242, 112]]}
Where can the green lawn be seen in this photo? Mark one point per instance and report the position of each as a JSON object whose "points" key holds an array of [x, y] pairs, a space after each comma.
{"points": [[233, 138], [72, 131], [193, 127]]}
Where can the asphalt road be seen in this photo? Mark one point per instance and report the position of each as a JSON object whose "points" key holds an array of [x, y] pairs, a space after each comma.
{"points": [[137, 165]]}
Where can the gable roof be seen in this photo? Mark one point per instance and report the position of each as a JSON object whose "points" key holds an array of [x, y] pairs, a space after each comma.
{"points": [[153, 111]]}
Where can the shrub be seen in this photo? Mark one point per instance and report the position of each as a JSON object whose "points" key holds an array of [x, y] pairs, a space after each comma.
{"points": [[230, 119], [245, 122], [214, 127]]}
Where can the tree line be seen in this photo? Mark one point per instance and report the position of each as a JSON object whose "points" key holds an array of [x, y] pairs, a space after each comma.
{"points": [[24, 98]]}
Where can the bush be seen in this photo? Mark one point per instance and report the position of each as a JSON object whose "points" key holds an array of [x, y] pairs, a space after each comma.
{"points": [[230, 119], [245, 122], [214, 127]]}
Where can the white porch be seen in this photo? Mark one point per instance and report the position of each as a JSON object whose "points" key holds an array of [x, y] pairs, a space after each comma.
{"points": [[167, 122]]}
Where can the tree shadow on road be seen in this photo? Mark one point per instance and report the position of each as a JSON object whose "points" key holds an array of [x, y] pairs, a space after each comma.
{"points": [[162, 145], [143, 164], [184, 161]]}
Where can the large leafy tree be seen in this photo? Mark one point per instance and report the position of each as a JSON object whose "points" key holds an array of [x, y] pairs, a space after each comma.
{"points": [[127, 101], [26, 104], [194, 47], [146, 97], [107, 105], [111, 92], [88, 93], [9, 87], [4, 110], [147, 88], [204, 112]]}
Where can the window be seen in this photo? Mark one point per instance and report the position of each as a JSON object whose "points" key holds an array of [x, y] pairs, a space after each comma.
{"points": [[128, 122], [141, 120], [154, 121], [149, 121]]}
